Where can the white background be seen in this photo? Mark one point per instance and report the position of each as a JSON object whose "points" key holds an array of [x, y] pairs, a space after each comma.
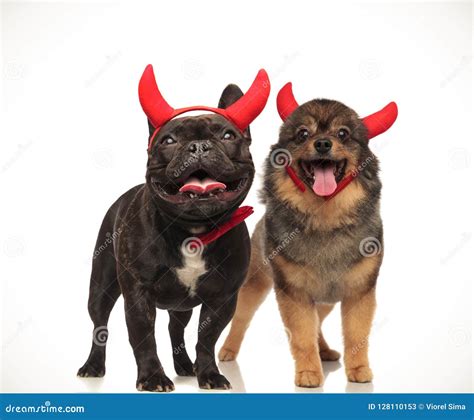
{"points": [[74, 138]]}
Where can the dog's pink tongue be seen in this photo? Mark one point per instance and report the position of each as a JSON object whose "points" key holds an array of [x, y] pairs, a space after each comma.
{"points": [[200, 186], [324, 181]]}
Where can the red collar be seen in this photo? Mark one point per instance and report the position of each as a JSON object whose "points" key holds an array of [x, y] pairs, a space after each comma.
{"points": [[340, 186], [206, 238]]}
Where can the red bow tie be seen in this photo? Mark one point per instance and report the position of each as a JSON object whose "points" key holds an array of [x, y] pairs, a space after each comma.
{"points": [[237, 217]]}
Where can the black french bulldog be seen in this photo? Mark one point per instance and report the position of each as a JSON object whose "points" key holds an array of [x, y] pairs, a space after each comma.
{"points": [[199, 171]]}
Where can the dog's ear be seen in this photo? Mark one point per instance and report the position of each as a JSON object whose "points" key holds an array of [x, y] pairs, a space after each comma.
{"points": [[230, 95], [151, 129]]}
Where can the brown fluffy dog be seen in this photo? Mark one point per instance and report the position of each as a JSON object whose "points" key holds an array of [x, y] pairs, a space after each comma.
{"points": [[317, 252]]}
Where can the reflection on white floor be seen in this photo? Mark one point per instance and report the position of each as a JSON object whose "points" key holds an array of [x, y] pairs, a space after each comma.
{"points": [[404, 357]]}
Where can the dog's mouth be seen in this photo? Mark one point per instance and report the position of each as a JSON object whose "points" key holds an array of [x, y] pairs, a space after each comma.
{"points": [[323, 175], [200, 186]]}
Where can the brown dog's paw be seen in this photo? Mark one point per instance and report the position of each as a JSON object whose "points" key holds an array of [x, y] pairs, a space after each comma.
{"points": [[309, 379], [360, 374], [329, 355], [227, 355]]}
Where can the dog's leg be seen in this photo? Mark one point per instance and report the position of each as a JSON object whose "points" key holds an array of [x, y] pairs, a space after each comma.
{"points": [[258, 283], [212, 321], [251, 296], [178, 321], [140, 314], [301, 320], [103, 293], [326, 353], [357, 314]]}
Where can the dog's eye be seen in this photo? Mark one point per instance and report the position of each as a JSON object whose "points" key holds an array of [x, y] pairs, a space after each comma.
{"points": [[302, 134], [342, 134], [228, 135], [168, 140]]}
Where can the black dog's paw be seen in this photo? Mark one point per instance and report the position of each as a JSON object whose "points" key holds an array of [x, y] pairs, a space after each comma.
{"points": [[184, 368], [213, 380], [158, 382], [91, 370]]}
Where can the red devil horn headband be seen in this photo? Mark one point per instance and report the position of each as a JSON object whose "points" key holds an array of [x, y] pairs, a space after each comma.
{"points": [[376, 123], [241, 113]]}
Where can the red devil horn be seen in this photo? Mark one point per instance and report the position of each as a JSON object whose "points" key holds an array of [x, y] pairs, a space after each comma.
{"points": [[381, 121], [249, 106], [154, 105], [286, 102]]}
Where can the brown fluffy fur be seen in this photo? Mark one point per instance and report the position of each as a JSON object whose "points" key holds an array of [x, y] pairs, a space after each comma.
{"points": [[322, 264]]}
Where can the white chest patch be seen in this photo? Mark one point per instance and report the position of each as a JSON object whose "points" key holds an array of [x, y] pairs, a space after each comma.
{"points": [[194, 266]]}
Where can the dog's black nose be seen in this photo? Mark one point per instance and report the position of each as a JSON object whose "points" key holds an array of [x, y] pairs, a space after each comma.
{"points": [[199, 146], [323, 145]]}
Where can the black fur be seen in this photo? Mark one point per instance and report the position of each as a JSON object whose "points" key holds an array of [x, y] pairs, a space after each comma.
{"points": [[147, 232]]}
